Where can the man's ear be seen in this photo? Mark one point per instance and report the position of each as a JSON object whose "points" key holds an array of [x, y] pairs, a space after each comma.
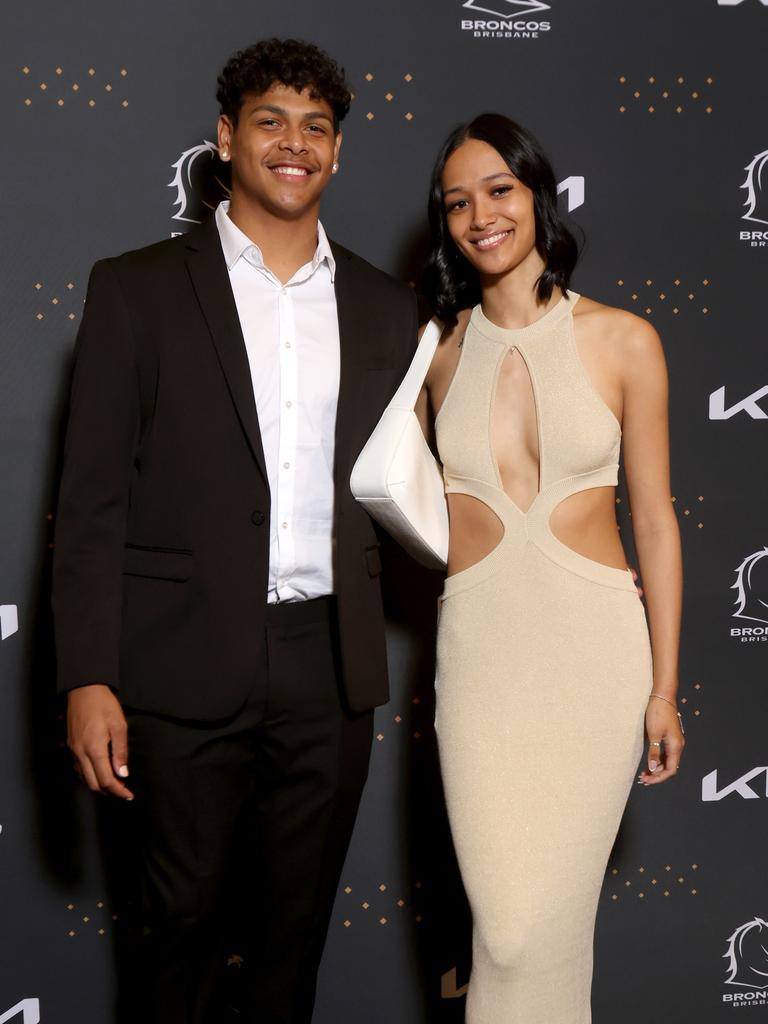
{"points": [[225, 131]]}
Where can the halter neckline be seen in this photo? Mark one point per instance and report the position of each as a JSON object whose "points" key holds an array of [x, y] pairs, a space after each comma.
{"points": [[513, 335]]}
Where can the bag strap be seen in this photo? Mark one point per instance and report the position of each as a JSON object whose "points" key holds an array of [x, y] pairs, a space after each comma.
{"points": [[406, 395]]}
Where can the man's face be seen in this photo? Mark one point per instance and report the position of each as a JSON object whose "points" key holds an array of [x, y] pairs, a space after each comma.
{"points": [[283, 149]]}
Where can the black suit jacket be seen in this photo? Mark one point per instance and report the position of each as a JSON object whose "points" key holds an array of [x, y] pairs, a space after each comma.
{"points": [[162, 526]]}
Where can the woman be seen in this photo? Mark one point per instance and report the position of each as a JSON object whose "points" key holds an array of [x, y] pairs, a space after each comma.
{"points": [[545, 677]]}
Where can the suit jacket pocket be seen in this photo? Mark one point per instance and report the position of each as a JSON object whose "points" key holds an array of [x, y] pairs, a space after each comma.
{"points": [[158, 564], [373, 560]]}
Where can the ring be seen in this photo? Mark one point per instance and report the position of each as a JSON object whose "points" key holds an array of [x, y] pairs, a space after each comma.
{"points": [[654, 743]]}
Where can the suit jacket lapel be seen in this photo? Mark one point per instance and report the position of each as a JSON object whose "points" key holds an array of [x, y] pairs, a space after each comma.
{"points": [[353, 319], [210, 279]]}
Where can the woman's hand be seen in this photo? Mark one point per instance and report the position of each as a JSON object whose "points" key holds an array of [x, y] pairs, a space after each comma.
{"points": [[665, 743]]}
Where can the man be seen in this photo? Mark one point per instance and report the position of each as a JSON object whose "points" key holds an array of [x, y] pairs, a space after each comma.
{"points": [[219, 622]]}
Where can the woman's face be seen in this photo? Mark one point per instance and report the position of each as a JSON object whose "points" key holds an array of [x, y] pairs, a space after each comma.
{"points": [[489, 211]]}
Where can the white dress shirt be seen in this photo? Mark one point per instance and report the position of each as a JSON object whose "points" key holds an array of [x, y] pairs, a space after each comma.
{"points": [[291, 336]]}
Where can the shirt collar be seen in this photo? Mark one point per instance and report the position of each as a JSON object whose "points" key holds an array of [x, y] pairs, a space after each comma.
{"points": [[235, 243]]}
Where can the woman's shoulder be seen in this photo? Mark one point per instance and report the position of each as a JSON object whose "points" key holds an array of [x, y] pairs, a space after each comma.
{"points": [[622, 330], [454, 334], [446, 355]]}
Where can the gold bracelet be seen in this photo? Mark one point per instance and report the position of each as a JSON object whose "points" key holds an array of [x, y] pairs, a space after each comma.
{"points": [[672, 703], [659, 697]]}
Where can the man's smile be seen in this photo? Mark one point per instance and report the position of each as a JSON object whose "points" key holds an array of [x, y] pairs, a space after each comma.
{"points": [[288, 170]]}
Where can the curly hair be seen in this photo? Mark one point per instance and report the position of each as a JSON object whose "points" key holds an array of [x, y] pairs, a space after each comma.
{"points": [[450, 282], [290, 62]]}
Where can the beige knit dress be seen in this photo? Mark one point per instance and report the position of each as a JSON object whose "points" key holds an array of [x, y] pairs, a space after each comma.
{"points": [[543, 675]]}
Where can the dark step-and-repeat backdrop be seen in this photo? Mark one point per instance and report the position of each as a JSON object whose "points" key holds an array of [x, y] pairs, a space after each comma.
{"points": [[655, 114]]}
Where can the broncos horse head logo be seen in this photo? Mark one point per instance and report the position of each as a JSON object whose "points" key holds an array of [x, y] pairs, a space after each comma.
{"points": [[757, 189], [201, 182], [750, 579], [507, 8], [748, 955]]}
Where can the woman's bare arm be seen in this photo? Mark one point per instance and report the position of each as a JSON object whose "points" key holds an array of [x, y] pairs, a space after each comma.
{"points": [[440, 375], [655, 529], [422, 402]]}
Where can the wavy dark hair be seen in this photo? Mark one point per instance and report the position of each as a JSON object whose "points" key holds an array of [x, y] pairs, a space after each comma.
{"points": [[451, 283], [290, 62]]}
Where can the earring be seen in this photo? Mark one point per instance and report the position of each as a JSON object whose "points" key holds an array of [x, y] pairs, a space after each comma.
{"points": [[335, 168], [225, 154]]}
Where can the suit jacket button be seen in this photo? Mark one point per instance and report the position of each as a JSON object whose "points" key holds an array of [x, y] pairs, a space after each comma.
{"points": [[257, 518]]}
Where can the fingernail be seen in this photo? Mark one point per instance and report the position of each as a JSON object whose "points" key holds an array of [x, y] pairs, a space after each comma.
{"points": [[653, 765], [122, 771], [128, 799]]}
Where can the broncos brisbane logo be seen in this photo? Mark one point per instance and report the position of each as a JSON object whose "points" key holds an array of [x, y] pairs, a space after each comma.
{"points": [[748, 955], [201, 180], [757, 189], [751, 578], [514, 8]]}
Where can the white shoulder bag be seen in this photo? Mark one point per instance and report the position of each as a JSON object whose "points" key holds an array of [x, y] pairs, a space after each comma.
{"points": [[396, 478]]}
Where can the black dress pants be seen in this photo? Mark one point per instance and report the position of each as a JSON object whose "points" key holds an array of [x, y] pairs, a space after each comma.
{"points": [[243, 827]]}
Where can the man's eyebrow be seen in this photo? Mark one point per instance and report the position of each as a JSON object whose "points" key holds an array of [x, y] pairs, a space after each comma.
{"points": [[489, 177], [311, 115]]}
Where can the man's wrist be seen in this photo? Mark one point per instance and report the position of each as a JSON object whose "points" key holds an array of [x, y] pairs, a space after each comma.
{"points": [[87, 688]]}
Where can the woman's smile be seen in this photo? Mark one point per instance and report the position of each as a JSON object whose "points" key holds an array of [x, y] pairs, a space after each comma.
{"points": [[491, 241]]}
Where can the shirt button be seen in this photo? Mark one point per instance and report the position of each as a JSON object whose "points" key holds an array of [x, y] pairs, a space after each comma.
{"points": [[287, 344], [286, 465], [284, 526], [288, 405], [257, 518]]}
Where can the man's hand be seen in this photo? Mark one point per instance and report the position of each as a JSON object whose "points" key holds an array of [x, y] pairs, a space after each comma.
{"points": [[97, 735]]}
